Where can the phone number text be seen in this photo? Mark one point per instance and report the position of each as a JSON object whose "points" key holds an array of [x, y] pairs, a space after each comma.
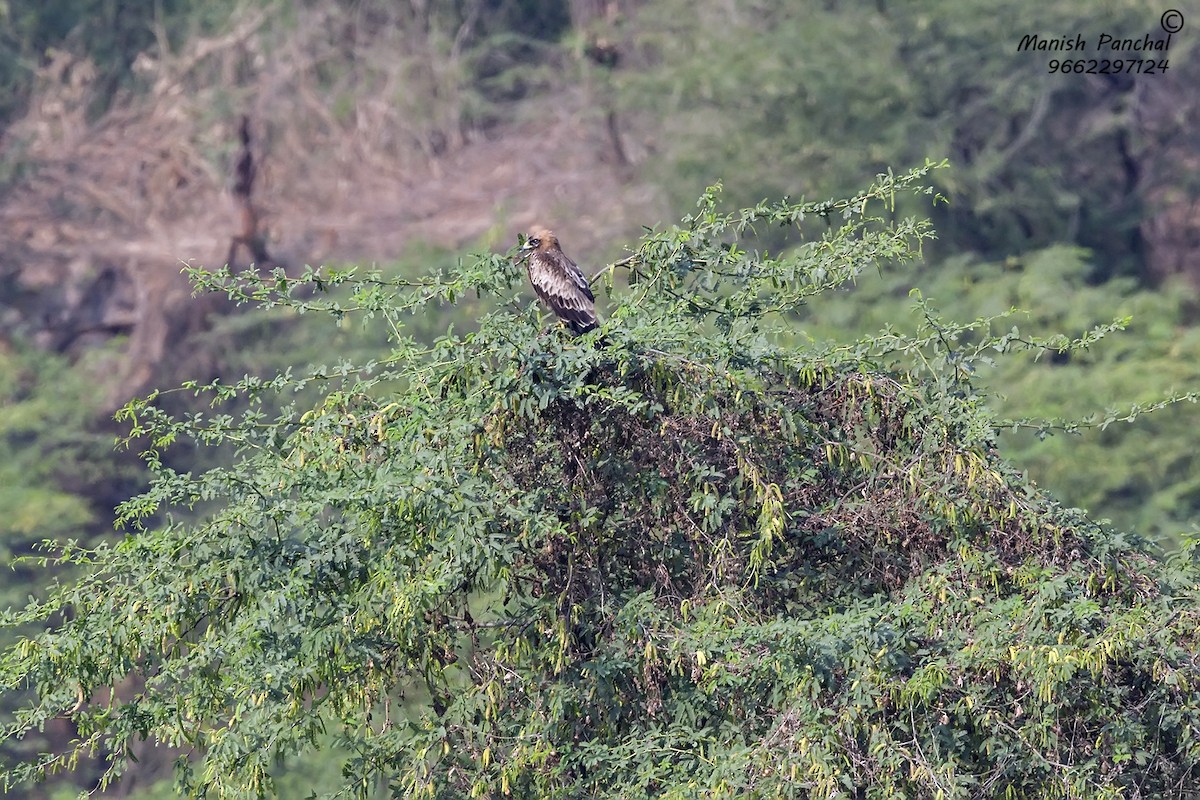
{"points": [[1104, 66]]}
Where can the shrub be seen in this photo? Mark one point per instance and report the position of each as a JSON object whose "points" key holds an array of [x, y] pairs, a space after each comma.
{"points": [[675, 558]]}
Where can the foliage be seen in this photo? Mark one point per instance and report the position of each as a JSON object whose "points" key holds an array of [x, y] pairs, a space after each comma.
{"points": [[55, 461], [380, 79], [56, 472], [109, 32], [680, 557], [32, 412], [1142, 476], [1038, 158], [249, 342]]}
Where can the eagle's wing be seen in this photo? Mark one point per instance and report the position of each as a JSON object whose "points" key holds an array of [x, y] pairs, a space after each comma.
{"points": [[561, 285], [577, 277]]}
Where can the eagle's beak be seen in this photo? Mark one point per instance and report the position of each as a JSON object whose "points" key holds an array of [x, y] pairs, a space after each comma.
{"points": [[524, 250]]}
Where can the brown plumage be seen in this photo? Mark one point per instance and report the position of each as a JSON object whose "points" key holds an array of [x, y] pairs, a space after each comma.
{"points": [[558, 281]]}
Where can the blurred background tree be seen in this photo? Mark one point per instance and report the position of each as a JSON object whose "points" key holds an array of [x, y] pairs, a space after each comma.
{"points": [[778, 99]]}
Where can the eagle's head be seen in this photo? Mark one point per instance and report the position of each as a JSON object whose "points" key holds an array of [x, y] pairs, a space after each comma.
{"points": [[542, 240]]}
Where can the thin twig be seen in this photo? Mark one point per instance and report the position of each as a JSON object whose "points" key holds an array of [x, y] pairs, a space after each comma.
{"points": [[624, 262]]}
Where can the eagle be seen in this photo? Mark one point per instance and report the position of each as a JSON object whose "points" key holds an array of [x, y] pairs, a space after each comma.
{"points": [[558, 281]]}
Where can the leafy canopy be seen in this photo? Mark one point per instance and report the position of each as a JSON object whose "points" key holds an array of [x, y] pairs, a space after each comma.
{"points": [[1146, 477], [1038, 158], [683, 556]]}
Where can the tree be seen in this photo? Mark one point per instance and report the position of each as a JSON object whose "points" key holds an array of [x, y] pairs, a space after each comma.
{"points": [[108, 33], [57, 475], [677, 558], [1144, 476], [1040, 156]]}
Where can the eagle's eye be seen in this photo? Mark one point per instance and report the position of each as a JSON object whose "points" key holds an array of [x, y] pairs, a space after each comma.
{"points": [[534, 242]]}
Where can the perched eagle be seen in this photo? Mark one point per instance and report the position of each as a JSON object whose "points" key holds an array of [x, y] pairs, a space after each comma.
{"points": [[558, 281]]}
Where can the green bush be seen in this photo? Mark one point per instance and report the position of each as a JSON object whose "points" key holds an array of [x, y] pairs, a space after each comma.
{"points": [[680, 557], [1143, 476]]}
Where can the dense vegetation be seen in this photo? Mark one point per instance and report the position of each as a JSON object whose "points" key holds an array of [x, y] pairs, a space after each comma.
{"points": [[112, 33], [676, 557], [1151, 489], [828, 93], [1058, 187]]}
